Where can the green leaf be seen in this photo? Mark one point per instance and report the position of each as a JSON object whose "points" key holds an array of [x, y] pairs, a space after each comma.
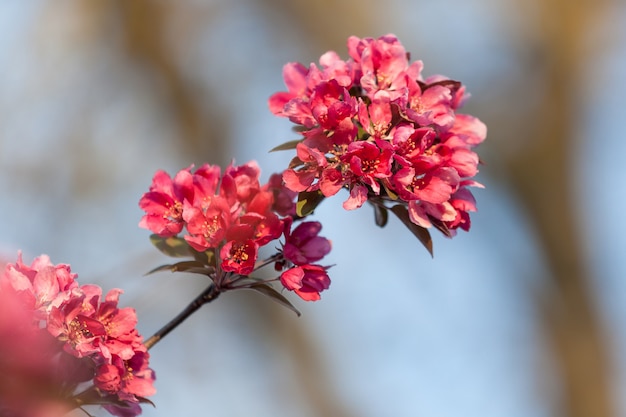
{"points": [[174, 246], [422, 234], [195, 267], [286, 146], [381, 215], [265, 289], [206, 258], [307, 202]]}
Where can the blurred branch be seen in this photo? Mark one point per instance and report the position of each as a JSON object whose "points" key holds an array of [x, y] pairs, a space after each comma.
{"points": [[311, 368], [541, 173], [144, 24], [340, 20]]}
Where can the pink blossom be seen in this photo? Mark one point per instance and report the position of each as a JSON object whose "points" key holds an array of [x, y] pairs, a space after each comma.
{"points": [[283, 202], [331, 104], [206, 181], [430, 105], [403, 140], [313, 163], [384, 64], [358, 197], [376, 117], [245, 180], [56, 336], [41, 283], [308, 281], [410, 146], [239, 256], [295, 77], [207, 229], [368, 162], [332, 180], [433, 187], [163, 204], [422, 213]]}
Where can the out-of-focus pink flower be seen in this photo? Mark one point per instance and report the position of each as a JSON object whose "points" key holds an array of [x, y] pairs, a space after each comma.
{"points": [[308, 281], [56, 336], [41, 283]]}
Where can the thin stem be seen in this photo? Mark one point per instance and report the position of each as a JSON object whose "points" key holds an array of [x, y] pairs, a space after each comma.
{"points": [[268, 261], [208, 295]]}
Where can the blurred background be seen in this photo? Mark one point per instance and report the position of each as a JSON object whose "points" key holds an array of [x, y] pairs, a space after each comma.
{"points": [[523, 316]]}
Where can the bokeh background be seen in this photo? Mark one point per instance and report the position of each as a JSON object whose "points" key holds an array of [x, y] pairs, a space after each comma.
{"points": [[523, 316]]}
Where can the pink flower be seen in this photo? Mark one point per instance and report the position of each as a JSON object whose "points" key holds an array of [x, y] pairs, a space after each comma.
{"points": [[293, 103], [308, 281], [313, 163], [384, 64], [358, 197], [430, 105], [374, 126], [129, 379], [376, 117], [239, 256], [241, 181], [331, 104], [303, 245], [163, 204], [207, 229], [206, 180], [41, 283], [410, 144], [422, 213], [55, 337], [433, 187], [368, 162], [283, 203]]}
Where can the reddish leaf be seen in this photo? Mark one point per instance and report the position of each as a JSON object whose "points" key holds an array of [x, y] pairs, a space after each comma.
{"points": [[185, 266], [422, 234], [265, 289], [380, 215], [286, 146]]}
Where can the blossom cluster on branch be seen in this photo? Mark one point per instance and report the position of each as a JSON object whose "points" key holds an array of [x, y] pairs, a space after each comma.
{"points": [[63, 346], [373, 125], [226, 218]]}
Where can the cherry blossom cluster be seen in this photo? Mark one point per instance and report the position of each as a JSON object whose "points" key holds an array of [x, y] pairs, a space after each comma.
{"points": [[62, 346], [373, 125], [228, 217]]}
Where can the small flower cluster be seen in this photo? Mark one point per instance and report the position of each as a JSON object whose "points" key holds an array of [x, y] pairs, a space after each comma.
{"points": [[373, 125], [229, 217], [62, 347]]}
